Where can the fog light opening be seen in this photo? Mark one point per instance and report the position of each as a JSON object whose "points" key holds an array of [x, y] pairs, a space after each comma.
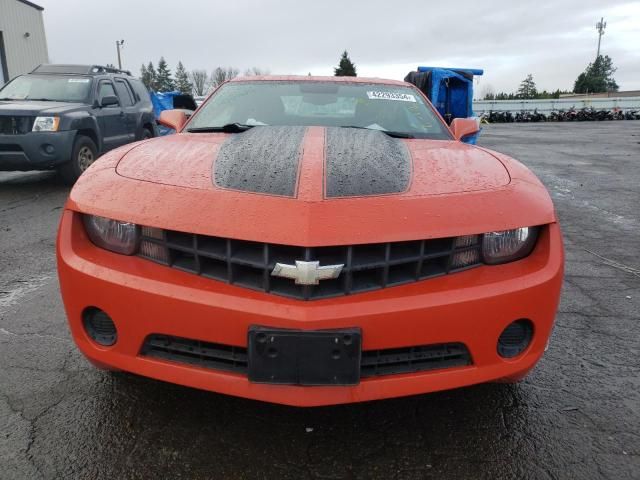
{"points": [[515, 338], [99, 326]]}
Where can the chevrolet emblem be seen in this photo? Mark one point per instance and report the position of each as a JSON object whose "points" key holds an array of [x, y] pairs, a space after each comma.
{"points": [[307, 273]]}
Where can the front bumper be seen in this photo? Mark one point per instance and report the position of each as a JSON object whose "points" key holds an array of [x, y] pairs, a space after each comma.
{"points": [[35, 150], [471, 307]]}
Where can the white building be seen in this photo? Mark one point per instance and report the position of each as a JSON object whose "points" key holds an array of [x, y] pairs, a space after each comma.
{"points": [[23, 44]]}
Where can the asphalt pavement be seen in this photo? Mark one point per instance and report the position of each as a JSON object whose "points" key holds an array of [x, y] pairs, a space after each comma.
{"points": [[576, 416]]}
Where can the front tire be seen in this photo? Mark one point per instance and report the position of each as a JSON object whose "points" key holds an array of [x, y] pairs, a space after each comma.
{"points": [[83, 155]]}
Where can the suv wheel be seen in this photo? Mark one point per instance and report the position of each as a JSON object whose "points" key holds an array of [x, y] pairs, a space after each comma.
{"points": [[84, 154]]}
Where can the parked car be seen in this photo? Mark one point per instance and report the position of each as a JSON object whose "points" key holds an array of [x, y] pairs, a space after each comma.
{"points": [[312, 241], [64, 117]]}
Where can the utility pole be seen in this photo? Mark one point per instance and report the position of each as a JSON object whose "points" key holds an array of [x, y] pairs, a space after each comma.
{"points": [[121, 42], [600, 26]]}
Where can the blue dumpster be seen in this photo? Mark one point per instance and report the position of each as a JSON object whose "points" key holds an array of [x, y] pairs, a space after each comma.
{"points": [[168, 101], [449, 89]]}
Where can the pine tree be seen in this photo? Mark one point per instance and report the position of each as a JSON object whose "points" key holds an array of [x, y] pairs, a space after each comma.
{"points": [[164, 82], [527, 88], [151, 77], [346, 68], [597, 77], [182, 80], [145, 77]]}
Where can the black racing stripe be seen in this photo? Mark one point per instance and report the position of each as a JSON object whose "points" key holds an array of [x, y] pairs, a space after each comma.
{"points": [[263, 159], [365, 162]]}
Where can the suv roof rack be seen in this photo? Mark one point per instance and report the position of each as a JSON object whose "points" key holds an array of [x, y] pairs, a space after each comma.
{"points": [[77, 69]]}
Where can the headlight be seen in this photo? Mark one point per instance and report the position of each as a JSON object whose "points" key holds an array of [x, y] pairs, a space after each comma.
{"points": [[46, 124], [119, 237], [508, 245]]}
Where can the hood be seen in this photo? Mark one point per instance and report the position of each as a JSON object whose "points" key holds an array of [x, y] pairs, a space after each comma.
{"points": [[300, 163], [312, 187], [33, 108]]}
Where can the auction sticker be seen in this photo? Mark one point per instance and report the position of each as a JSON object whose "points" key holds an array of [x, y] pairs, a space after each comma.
{"points": [[399, 97]]}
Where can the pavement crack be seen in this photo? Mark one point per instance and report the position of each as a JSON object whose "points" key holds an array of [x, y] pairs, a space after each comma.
{"points": [[4, 331], [25, 287], [613, 263]]}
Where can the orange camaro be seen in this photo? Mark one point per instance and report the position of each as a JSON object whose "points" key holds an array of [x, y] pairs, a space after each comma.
{"points": [[311, 241]]}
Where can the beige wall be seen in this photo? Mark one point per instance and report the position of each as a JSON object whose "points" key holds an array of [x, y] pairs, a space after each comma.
{"points": [[22, 53], [628, 93]]}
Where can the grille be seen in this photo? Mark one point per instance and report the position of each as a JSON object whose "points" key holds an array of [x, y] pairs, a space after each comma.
{"points": [[10, 147], [195, 352], [15, 125], [374, 362], [99, 326], [515, 338], [413, 359], [366, 267]]}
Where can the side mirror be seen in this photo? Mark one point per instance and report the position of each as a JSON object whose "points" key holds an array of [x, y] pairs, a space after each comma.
{"points": [[173, 119], [461, 127], [109, 101]]}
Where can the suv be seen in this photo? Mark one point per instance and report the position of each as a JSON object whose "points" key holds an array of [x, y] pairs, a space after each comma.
{"points": [[64, 117]]}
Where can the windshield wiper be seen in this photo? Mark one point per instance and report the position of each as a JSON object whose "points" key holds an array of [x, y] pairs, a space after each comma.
{"points": [[228, 128], [41, 99], [386, 132]]}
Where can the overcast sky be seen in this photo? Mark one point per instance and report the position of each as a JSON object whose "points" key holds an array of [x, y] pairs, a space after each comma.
{"points": [[508, 39]]}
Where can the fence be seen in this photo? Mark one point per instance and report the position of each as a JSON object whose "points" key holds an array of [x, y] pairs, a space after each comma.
{"points": [[555, 104]]}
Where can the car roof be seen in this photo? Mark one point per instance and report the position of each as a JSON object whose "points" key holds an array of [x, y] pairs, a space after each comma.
{"points": [[308, 78]]}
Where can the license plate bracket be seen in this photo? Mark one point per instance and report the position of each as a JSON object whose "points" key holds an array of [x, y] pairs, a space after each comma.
{"points": [[303, 357]]}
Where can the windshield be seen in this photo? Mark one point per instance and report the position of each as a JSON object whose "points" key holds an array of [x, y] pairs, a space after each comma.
{"points": [[47, 87], [390, 108]]}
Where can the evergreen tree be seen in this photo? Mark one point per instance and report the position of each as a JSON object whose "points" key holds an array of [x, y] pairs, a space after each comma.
{"points": [[504, 96], [182, 80], [150, 77], [527, 88], [164, 82], [597, 77], [145, 77], [346, 68]]}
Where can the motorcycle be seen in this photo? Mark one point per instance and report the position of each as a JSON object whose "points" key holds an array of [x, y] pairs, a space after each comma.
{"points": [[631, 115], [571, 115]]}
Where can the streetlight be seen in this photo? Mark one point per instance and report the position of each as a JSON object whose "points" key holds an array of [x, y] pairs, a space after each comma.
{"points": [[119, 44]]}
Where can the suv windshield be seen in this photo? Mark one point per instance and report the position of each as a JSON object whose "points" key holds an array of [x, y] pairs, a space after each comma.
{"points": [[47, 87], [394, 109]]}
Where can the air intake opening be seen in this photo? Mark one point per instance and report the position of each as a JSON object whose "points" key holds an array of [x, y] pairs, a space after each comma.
{"points": [[99, 326], [515, 338]]}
